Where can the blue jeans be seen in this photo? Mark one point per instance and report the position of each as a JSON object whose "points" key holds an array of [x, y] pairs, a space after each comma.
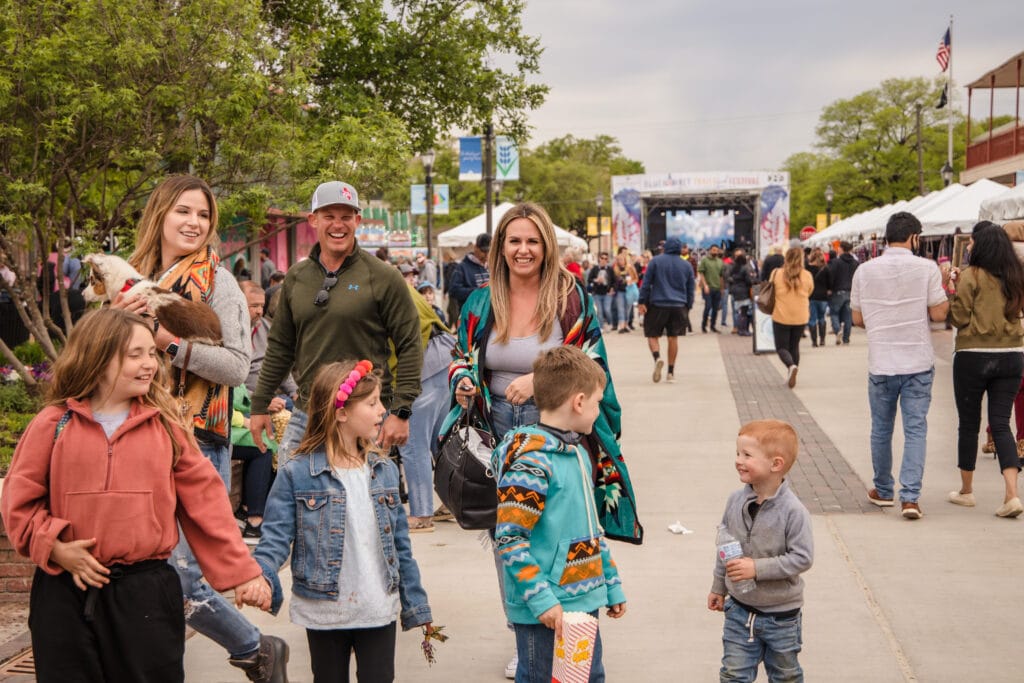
{"points": [[604, 308], [257, 475], [506, 417], [621, 314], [535, 645], [205, 609], [749, 639], [819, 309], [839, 306], [292, 436], [726, 298], [712, 300], [428, 412], [914, 393]]}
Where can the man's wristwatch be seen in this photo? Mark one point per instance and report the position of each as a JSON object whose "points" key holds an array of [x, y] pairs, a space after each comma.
{"points": [[402, 413], [172, 348]]}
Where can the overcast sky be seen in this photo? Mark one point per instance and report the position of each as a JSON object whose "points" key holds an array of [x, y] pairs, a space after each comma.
{"points": [[713, 85]]}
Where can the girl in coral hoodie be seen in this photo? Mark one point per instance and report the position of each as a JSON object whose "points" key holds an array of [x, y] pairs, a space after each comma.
{"points": [[98, 485]]}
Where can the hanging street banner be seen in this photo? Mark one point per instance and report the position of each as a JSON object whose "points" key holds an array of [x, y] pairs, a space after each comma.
{"points": [[471, 159], [418, 200], [506, 159]]}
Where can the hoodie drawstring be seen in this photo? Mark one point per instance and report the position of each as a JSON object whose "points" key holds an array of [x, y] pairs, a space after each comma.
{"points": [[750, 625], [588, 485]]}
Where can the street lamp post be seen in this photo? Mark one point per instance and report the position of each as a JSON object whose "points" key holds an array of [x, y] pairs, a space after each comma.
{"points": [[946, 173], [829, 196], [428, 163], [599, 200]]}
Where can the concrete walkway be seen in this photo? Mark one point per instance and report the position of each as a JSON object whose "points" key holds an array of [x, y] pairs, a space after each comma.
{"points": [[887, 599]]}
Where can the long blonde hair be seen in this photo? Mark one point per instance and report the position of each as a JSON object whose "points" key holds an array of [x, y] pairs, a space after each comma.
{"points": [[555, 280], [793, 267], [147, 258], [100, 337], [322, 429]]}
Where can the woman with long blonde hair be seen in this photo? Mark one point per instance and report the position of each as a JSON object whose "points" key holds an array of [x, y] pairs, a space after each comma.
{"points": [[177, 248], [793, 287], [531, 304]]}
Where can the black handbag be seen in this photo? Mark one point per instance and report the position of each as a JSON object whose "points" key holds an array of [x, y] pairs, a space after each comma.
{"points": [[462, 480]]}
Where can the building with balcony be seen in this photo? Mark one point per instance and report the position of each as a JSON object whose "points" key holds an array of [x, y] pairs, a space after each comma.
{"points": [[998, 153]]}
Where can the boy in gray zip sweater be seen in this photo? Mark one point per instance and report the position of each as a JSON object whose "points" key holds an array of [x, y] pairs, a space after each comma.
{"points": [[763, 623]]}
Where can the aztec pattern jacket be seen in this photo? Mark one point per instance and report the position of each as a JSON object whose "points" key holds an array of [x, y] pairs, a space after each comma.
{"points": [[549, 540], [613, 490]]}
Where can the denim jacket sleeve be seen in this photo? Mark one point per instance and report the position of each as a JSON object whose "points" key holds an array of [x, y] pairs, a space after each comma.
{"points": [[278, 531], [415, 608]]}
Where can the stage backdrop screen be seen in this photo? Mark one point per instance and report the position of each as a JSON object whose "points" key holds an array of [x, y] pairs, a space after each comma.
{"points": [[700, 229]]}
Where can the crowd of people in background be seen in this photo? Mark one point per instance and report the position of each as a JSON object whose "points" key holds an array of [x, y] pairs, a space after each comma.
{"points": [[359, 365]]}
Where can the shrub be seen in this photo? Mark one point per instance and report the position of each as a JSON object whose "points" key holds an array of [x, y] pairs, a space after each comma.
{"points": [[15, 398], [30, 353]]}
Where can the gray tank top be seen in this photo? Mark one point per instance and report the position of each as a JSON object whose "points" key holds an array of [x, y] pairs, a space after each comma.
{"points": [[509, 361]]}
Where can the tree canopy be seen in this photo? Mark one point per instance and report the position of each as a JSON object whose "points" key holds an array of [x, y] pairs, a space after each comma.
{"points": [[868, 150], [263, 99]]}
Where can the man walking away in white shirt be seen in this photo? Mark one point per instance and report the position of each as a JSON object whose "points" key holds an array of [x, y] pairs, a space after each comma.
{"points": [[893, 297]]}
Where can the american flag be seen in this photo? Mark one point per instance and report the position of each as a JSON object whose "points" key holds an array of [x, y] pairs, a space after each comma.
{"points": [[942, 56]]}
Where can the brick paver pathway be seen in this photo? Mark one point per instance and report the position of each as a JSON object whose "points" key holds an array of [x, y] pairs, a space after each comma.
{"points": [[821, 477]]}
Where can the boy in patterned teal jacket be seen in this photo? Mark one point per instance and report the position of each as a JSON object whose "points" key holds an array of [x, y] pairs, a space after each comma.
{"points": [[550, 541]]}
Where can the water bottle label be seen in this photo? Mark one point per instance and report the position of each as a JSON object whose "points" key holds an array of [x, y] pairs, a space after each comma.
{"points": [[730, 551]]}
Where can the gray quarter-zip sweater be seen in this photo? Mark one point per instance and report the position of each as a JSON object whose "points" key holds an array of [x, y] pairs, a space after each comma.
{"points": [[781, 542]]}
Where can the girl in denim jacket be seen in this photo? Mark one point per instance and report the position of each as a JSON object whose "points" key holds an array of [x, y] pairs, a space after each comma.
{"points": [[335, 509]]}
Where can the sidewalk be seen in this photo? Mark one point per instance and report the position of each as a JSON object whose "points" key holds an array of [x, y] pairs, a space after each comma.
{"points": [[887, 599]]}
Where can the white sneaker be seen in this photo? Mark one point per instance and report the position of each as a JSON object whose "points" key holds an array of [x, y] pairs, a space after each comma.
{"points": [[510, 668]]}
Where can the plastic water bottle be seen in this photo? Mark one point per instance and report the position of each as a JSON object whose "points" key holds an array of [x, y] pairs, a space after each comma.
{"points": [[729, 549]]}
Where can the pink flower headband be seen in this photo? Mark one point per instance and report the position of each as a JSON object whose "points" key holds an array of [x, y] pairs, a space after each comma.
{"points": [[363, 368]]}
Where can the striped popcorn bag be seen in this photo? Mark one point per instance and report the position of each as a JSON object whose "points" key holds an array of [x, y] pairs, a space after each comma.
{"points": [[574, 653]]}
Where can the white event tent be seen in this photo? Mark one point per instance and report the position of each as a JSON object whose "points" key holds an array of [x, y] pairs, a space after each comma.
{"points": [[1003, 207], [465, 234], [940, 212], [960, 210]]}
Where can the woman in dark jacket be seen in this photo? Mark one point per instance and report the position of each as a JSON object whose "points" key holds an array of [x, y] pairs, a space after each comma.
{"points": [[819, 297], [740, 282]]}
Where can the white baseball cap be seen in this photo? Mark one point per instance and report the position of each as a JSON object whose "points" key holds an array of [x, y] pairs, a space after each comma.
{"points": [[335, 192]]}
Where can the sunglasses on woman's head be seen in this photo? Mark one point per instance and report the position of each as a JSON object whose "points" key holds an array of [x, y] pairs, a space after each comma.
{"points": [[325, 289]]}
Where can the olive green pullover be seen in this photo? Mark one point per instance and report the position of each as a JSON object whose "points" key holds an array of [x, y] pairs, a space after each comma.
{"points": [[370, 305]]}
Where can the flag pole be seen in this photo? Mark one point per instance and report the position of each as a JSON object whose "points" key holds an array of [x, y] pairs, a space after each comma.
{"points": [[949, 88]]}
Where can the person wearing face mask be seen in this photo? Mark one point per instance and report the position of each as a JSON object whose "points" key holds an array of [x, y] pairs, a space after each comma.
{"points": [[709, 277], [894, 297], [840, 278]]}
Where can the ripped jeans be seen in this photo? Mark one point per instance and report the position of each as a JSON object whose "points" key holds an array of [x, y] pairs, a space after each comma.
{"points": [[206, 610]]}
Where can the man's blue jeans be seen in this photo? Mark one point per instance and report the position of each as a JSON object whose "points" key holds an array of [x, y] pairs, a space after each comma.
{"points": [[749, 639], [914, 394], [205, 609], [604, 308], [839, 308], [428, 412], [712, 300], [726, 298], [535, 645]]}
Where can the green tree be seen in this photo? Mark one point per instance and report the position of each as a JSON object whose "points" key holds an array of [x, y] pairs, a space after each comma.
{"points": [[868, 150], [434, 65], [100, 100]]}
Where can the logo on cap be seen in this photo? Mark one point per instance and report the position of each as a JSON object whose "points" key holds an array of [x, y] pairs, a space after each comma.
{"points": [[346, 192]]}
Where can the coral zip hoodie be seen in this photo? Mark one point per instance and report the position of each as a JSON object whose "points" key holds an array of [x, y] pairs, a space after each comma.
{"points": [[124, 492]]}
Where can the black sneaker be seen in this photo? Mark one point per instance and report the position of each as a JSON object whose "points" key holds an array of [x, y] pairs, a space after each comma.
{"points": [[269, 664], [252, 534]]}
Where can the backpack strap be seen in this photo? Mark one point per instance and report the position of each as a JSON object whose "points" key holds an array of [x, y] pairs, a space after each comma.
{"points": [[61, 424]]}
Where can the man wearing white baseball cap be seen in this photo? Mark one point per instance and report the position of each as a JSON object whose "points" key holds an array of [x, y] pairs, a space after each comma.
{"points": [[341, 303]]}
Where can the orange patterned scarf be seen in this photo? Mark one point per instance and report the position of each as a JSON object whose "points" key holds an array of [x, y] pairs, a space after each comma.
{"points": [[192, 277]]}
